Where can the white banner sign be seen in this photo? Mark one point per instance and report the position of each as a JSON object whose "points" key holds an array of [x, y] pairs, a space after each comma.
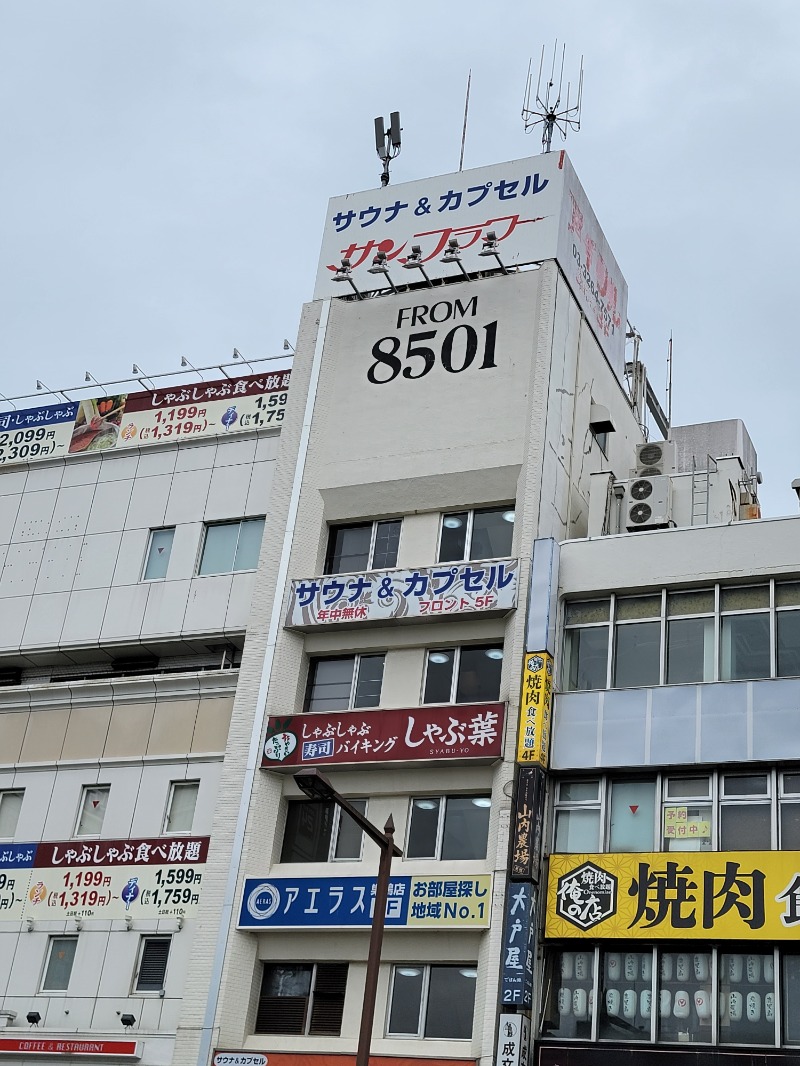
{"points": [[446, 589], [536, 208], [513, 1040]]}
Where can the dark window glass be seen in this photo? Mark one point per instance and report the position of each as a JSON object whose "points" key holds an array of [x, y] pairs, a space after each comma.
{"points": [[788, 625], [625, 994], [287, 991], [745, 785], [451, 1002], [745, 647], [424, 828], [387, 542], [479, 670], [690, 650], [330, 684], [744, 827], [309, 828], [307, 837], [492, 532], [369, 681], [453, 542], [439, 675], [791, 999], [466, 827], [790, 826], [348, 549], [59, 963], [566, 1010], [153, 966], [636, 654], [587, 658], [406, 1000]]}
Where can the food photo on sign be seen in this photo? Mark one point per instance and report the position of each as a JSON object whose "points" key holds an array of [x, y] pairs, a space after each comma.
{"points": [[97, 424]]}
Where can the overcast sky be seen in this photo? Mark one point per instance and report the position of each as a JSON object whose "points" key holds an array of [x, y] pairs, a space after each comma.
{"points": [[167, 165]]}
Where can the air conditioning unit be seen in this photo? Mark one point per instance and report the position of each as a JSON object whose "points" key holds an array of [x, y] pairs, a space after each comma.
{"points": [[648, 503], [653, 458]]}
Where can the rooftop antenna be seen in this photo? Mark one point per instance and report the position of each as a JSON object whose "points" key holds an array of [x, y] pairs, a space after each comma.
{"points": [[464, 129], [387, 143], [550, 112], [669, 383]]}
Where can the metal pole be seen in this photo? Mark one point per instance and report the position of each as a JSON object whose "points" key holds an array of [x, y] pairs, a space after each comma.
{"points": [[375, 945]]}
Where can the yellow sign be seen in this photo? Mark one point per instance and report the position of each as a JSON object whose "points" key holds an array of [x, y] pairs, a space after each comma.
{"points": [[723, 895], [450, 904], [680, 826], [533, 741]]}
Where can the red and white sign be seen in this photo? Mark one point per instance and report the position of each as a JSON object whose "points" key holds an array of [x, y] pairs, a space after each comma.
{"points": [[465, 731], [80, 1048]]}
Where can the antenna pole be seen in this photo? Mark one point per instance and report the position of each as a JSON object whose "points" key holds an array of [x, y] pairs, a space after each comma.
{"points": [[387, 143], [669, 382], [547, 110], [464, 129]]}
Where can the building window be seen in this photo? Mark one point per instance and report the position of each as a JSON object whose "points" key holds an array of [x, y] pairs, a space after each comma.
{"points": [[180, 807], [343, 683], [159, 550], [94, 800], [723, 811], [470, 674], [302, 999], [726, 633], [321, 832], [231, 546], [448, 827], [58, 968], [686, 992], [481, 534], [367, 546], [153, 958], [10, 806], [436, 1002]]}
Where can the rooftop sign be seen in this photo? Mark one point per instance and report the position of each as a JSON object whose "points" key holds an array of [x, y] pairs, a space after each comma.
{"points": [[536, 208]]}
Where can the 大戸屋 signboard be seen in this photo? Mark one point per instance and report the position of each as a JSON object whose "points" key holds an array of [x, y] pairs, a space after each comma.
{"points": [[403, 595], [468, 731], [143, 878], [71, 1046], [751, 895], [203, 409], [419, 901], [536, 207]]}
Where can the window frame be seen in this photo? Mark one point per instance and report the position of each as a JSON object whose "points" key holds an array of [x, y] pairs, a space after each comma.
{"points": [[149, 549], [354, 680], [597, 983], [144, 941], [334, 527], [175, 786], [336, 825], [4, 792], [613, 624], [455, 676], [777, 798], [443, 800], [308, 1016], [85, 790], [424, 1004], [52, 940], [229, 522], [470, 512]]}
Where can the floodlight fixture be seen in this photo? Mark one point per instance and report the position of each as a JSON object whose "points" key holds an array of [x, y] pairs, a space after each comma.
{"points": [[414, 262], [490, 244], [452, 254], [345, 273], [380, 265]]}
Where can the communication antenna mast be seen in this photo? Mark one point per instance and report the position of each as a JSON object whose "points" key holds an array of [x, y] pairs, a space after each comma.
{"points": [[387, 143], [548, 112]]}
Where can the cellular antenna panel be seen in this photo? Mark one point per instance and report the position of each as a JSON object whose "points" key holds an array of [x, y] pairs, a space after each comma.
{"points": [[387, 144]]}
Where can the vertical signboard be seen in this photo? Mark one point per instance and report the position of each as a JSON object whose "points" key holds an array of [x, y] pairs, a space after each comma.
{"points": [[516, 971], [513, 1040], [526, 837], [535, 704]]}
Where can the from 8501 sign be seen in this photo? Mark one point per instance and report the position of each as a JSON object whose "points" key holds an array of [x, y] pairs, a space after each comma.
{"points": [[456, 349]]}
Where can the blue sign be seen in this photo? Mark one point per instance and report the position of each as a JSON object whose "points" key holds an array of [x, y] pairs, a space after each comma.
{"points": [[414, 901], [516, 974], [17, 856], [33, 417]]}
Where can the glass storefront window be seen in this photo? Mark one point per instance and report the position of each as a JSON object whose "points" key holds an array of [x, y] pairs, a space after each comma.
{"points": [[568, 1007], [685, 1006], [626, 995], [746, 997]]}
